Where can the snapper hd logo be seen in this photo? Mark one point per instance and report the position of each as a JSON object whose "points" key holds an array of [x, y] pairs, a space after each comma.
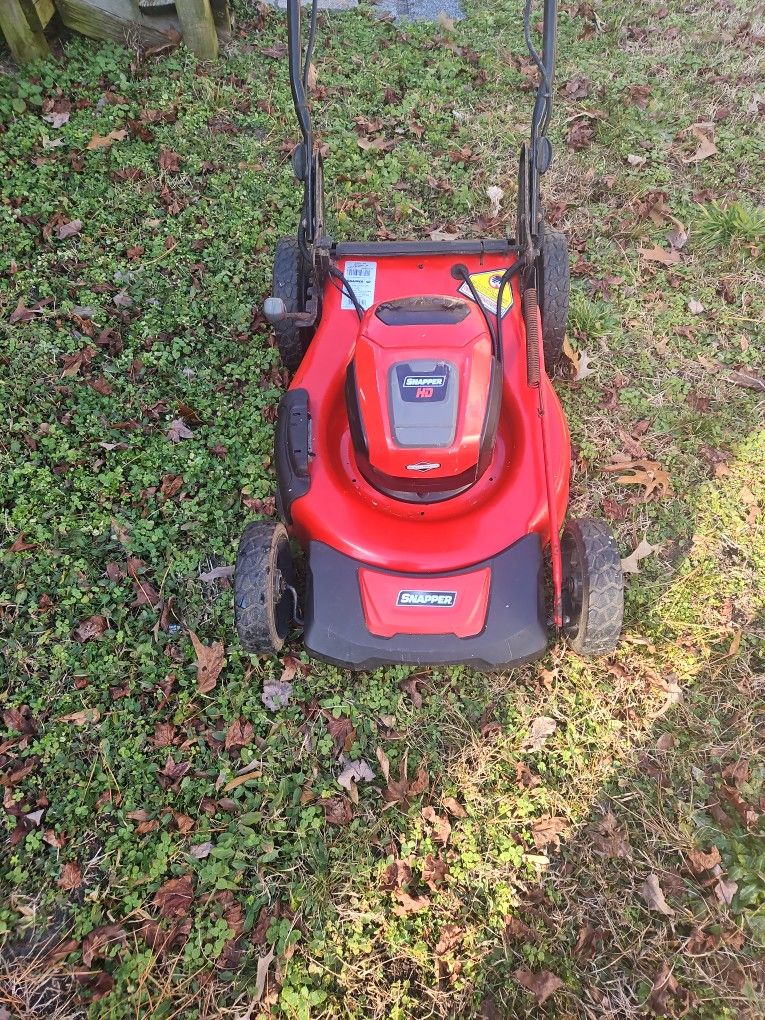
{"points": [[415, 597], [419, 387]]}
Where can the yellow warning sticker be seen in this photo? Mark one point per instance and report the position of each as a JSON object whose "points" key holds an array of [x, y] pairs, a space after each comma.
{"points": [[487, 288]]}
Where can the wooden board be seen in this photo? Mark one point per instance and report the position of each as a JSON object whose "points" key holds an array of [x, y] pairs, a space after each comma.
{"points": [[24, 36], [38, 12], [118, 20]]}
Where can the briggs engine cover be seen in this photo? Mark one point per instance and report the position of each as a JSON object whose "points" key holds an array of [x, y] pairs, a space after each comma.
{"points": [[422, 393]]}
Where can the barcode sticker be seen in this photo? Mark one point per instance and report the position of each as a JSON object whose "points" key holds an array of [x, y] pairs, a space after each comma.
{"points": [[361, 278]]}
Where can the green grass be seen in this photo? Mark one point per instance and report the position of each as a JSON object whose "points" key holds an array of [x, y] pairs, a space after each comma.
{"points": [[666, 735]]}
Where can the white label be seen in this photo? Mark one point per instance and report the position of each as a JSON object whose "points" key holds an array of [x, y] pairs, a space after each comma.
{"points": [[361, 277]]}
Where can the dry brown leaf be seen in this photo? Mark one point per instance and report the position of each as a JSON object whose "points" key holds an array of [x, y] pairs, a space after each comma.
{"points": [[652, 893], [546, 831], [91, 628], [397, 875], [701, 862], [407, 904], [67, 230], [81, 718], [647, 473], [440, 827], [749, 379], [704, 134], [666, 986], [104, 141], [174, 897], [725, 891], [455, 809], [434, 872], [337, 810], [543, 984], [640, 552], [657, 254], [210, 660], [97, 942], [71, 876], [541, 728]]}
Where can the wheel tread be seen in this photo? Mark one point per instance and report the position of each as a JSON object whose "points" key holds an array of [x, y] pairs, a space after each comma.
{"points": [[599, 629]]}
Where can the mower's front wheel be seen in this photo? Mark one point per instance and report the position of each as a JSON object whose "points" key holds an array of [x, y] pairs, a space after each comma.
{"points": [[288, 282], [264, 603], [593, 587], [553, 280]]}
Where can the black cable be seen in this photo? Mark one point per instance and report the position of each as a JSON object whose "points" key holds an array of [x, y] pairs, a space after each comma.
{"points": [[534, 53], [461, 272], [336, 274]]}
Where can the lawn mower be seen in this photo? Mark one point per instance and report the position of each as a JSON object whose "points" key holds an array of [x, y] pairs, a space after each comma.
{"points": [[422, 456]]}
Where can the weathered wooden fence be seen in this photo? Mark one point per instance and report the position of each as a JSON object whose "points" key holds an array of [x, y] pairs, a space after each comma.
{"points": [[146, 23]]}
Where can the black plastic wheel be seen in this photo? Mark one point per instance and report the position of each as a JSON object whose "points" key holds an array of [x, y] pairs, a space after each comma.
{"points": [[553, 280], [264, 606], [593, 587], [288, 282]]}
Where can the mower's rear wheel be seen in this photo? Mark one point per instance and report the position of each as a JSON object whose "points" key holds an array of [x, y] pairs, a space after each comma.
{"points": [[289, 283], [593, 587], [553, 279], [264, 604]]}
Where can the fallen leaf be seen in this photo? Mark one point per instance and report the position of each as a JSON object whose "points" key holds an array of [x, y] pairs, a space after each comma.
{"points": [[355, 772], [56, 120], [651, 892], [406, 904], [609, 839], [174, 897], [546, 831], [96, 943], [442, 235], [169, 160], [541, 728], [276, 694], [586, 942], [666, 986], [261, 974], [749, 379], [695, 307], [379, 143], [210, 660], [657, 254], [434, 872], [67, 230], [179, 430], [81, 718], [337, 810], [216, 574], [172, 773], [91, 628], [643, 549], [495, 196], [454, 807], [71, 876], [636, 161], [440, 827], [201, 850], [646, 473], [701, 862], [104, 141], [583, 369], [239, 734], [342, 731], [543, 984], [704, 134], [397, 875]]}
